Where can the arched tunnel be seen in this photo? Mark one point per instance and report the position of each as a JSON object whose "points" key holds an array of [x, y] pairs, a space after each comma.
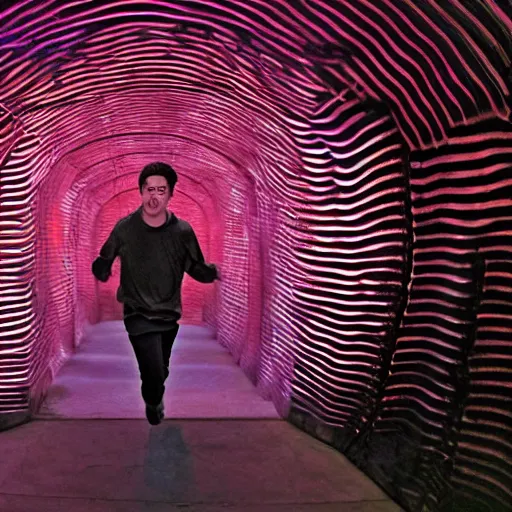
{"points": [[348, 165]]}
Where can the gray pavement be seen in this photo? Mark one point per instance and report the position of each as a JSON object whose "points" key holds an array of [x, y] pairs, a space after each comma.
{"points": [[180, 465]]}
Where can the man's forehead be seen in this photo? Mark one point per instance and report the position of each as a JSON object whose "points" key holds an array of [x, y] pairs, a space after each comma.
{"points": [[156, 181]]}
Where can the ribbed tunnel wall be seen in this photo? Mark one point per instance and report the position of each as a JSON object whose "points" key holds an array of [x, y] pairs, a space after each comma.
{"points": [[348, 164]]}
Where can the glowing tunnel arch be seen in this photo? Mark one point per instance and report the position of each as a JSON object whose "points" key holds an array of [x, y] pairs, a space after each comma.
{"points": [[384, 306]]}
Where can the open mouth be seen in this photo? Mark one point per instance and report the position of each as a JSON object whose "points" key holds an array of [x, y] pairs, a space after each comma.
{"points": [[153, 203]]}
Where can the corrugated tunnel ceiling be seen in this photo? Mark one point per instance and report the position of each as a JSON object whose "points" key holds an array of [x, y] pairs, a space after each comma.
{"points": [[347, 162]]}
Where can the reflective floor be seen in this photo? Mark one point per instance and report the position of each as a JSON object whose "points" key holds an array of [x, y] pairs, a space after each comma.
{"points": [[102, 380]]}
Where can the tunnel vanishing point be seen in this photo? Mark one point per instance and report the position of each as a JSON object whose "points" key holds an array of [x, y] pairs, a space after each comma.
{"points": [[348, 162]]}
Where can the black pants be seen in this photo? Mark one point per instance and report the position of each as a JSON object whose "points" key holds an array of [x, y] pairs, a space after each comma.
{"points": [[153, 351]]}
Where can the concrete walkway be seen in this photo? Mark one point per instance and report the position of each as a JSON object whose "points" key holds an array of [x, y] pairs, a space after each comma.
{"points": [[102, 380], [222, 447], [192, 466]]}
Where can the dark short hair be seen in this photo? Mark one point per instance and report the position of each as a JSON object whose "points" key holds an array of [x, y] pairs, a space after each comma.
{"points": [[158, 169]]}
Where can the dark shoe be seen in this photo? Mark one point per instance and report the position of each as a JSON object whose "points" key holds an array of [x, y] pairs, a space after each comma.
{"points": [[155, 413]]}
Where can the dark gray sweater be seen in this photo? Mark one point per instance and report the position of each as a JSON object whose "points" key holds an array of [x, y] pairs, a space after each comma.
{"points": [[153, 262]]}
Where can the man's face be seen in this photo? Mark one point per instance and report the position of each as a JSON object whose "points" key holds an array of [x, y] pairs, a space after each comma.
{"points": [[155, 196]]}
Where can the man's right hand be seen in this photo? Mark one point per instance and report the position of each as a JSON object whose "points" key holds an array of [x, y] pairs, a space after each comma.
{"points": [[101, 269]]}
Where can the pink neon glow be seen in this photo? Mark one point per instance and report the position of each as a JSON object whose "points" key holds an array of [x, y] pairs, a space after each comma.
{"points": [[347, 162]]}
